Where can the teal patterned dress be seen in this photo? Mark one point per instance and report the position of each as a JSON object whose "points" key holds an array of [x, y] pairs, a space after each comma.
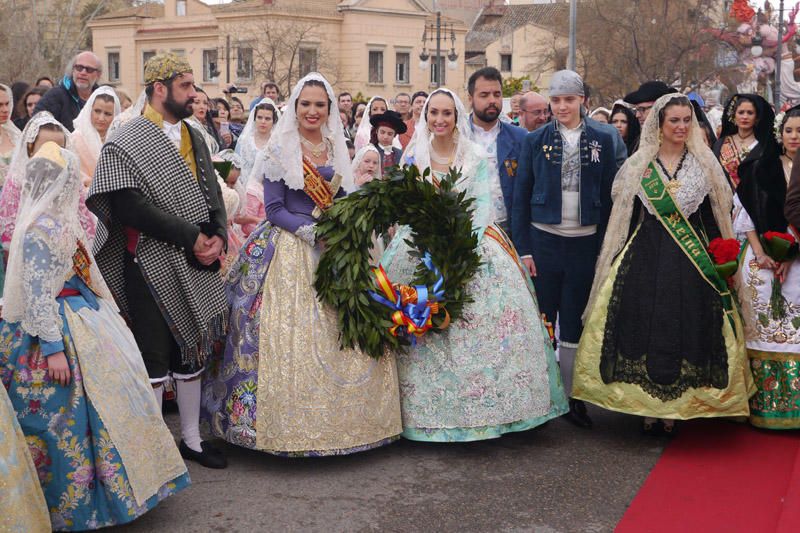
{"points": [[493, 371], [86, 483]]}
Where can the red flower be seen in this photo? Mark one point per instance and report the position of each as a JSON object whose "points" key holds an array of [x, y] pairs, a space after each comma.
{"points": [[769, 235], [724, 250]]}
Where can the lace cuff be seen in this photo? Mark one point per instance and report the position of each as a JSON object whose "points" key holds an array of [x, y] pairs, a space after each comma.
{"points": [[306, 233]]}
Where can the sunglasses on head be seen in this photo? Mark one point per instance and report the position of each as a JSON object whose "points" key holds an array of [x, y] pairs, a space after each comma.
{"points": [[84, 68]]}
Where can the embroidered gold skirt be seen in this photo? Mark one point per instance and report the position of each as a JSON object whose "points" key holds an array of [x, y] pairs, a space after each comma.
{"points": [[313, 397]]}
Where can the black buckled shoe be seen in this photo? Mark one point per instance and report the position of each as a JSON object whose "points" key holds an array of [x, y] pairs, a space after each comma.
{"points": [[210, 457], [578, 415]]}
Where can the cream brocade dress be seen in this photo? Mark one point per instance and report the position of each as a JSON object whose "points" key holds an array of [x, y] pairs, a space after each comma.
{"points": [[22, 505]]}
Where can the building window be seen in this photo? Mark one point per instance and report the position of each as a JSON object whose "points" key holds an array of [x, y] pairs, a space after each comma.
{"points": [[505, 62], [244, 63], [307, 60], [402, 63], [438, 67], [113, 66], [210, 65], [180, 8], [145, 56], [375, 66]]}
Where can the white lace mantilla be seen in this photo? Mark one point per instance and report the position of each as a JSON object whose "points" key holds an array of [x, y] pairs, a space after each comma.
{"points": [[693, 190]]}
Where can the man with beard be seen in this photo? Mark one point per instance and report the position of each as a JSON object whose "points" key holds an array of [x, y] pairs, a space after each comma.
{"points": [[161, 230], [502, 141], [534, 111], [66, 100]]}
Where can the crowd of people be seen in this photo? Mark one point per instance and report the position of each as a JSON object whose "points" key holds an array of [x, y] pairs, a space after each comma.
{"points": [[638, 257]]}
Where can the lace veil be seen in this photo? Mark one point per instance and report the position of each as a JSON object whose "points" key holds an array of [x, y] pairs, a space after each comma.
{"points": [[364, 130], [83, 122], [282, 158], [246, 144], [628, 183], [8, 125], [44, 242], [468, 157], [10, 195]]}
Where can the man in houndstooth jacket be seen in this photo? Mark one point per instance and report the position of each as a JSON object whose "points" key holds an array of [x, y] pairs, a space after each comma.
{"points": [[161, 231]]}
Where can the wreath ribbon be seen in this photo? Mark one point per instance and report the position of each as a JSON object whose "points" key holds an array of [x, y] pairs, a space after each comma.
{"points": [[413, 307]]}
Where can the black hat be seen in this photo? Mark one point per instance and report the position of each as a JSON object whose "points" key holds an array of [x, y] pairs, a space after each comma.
{"points": [[649, 91], [391, 119]]}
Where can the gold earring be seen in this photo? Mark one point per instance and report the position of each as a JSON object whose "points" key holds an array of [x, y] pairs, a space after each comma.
{"points": [[660, 136]]}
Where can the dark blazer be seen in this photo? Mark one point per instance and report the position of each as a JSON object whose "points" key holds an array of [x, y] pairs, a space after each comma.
{"points": [[63, 102], [537, 187], [509, 144]]}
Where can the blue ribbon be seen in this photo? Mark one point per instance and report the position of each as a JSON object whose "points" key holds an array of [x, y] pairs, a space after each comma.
{"points": [[420, 312]]}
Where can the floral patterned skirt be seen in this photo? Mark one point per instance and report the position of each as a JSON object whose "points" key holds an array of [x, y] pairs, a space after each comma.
{"points": [[82, 475], [773, 346], [491, 372], [231, 380]]}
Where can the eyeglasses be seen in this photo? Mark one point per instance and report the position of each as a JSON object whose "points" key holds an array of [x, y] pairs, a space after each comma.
{"points": [[84, 68], [537, 113], [641, 110]]}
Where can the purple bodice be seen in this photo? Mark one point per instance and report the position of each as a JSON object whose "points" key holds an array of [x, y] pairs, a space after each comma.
{"points": [[290, 208]]}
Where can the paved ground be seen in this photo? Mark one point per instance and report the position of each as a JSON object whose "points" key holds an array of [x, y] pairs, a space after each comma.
{"points": [[556, 478]]}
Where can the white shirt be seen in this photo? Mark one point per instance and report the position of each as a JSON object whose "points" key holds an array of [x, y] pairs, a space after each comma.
{"points": [[488, 140], [173, 132]]}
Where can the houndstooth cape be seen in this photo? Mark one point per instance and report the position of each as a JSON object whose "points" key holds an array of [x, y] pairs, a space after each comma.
{"points": [[192, 300]]}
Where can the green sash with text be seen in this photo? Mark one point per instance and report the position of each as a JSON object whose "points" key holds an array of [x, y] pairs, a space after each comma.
{"points": [[679, 228]]}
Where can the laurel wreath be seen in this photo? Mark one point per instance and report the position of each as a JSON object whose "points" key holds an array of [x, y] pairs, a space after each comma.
{"points": [[440, 219]]}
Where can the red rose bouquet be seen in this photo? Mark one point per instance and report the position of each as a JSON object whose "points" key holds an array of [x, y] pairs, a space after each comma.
{"points": [[726, 256], [780, 247]]}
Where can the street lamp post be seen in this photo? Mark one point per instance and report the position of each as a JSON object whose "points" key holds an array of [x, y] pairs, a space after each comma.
{"points": [[424, 56], [573, 27], [778, 59]]}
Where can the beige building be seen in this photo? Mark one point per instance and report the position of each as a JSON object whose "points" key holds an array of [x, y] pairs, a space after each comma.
{"points": [[520, 40], [363, 46]]}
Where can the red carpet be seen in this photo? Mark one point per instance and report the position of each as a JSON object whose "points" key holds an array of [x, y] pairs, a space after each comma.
{"points": [[721, 477]]}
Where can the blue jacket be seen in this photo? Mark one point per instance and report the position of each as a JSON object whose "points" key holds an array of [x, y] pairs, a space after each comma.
{"points": [[509, 145], [537, 188]]}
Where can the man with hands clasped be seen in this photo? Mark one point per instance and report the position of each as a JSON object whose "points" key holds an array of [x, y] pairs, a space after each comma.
{"points": [[161, 230]]}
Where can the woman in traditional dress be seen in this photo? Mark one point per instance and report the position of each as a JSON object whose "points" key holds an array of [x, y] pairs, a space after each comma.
{"points": [[9, 133], [254, 138], [202, 123], [40, 129], [624, 119], [284, 385], [746, 135], [376, 106], [91, 126], [22, 507], [773, 341], [71, 366], [493, 371], [662, 337]]}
